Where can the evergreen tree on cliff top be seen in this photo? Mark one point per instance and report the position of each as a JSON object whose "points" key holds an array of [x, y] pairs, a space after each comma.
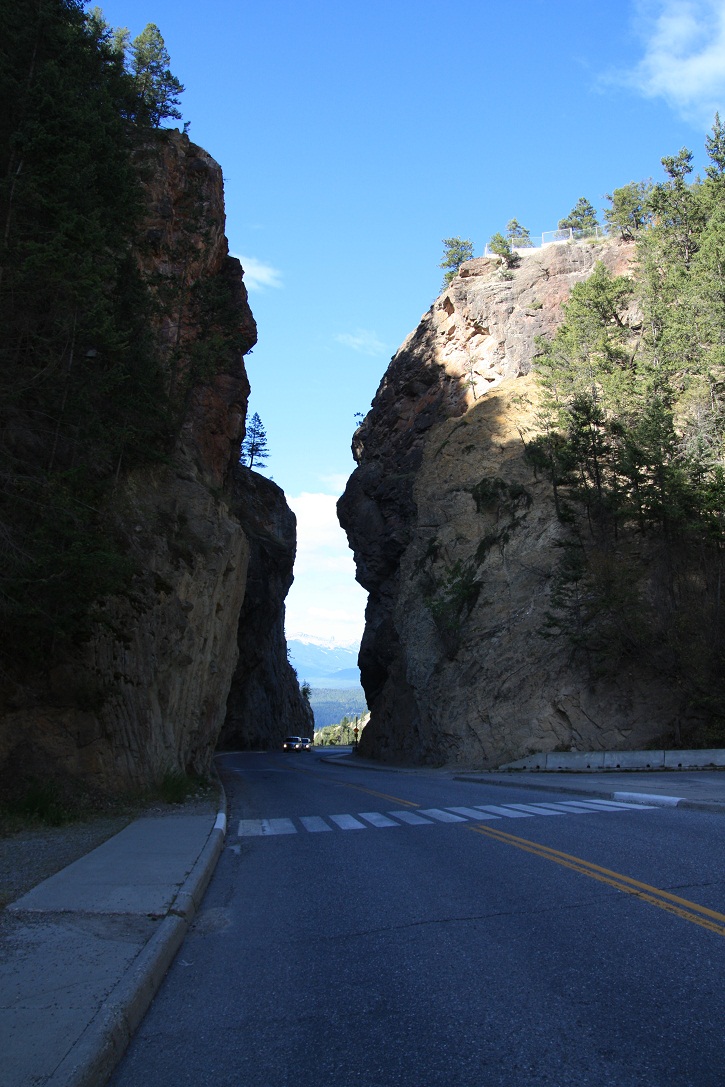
{"points": [[582, 217], [633, 433], [254, 446], [157, 89], [457, 251], [82, 394]]}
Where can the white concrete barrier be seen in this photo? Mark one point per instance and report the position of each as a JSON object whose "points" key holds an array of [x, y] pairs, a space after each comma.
{"points": [[620, 760]]}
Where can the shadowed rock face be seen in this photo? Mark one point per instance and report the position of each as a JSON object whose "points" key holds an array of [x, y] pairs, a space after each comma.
{"points": [[455, 538], [147, 693], [264, 702]]}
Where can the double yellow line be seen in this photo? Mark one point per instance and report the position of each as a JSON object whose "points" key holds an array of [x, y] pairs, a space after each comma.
{"points": [[664, 900], [359, 788]]}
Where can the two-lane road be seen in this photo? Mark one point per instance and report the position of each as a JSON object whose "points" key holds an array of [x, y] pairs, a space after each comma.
{"points": [[379, 929]]}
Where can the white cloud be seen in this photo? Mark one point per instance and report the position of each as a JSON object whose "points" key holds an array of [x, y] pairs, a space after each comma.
{"points": [[364, 341], [258, 275], [335, 483], [684, 56], [325, 600]]}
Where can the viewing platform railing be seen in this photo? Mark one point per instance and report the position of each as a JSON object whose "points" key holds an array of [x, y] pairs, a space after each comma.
{"points": [[553, 237]]}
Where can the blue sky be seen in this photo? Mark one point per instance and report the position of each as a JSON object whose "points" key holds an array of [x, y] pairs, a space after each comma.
{"points": [[355, 137]]}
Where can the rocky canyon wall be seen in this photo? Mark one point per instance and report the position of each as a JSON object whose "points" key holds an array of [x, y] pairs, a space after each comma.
{"points": [[264, 703], [146, 693], [456, 538]]}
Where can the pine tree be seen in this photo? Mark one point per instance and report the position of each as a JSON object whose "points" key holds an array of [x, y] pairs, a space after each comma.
{"points": [[254, 446], [715, 147], [629, 212], [582, 218], [517, 235], [157, 89], [81, 388], [456, 252], [502, 248]]}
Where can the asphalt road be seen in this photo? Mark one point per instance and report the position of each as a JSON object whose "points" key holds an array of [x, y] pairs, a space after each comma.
{"points": [[359, 930]]}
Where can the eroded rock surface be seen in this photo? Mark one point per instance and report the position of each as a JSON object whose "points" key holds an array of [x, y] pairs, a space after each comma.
{"points": [[264, 702], [443, 506], [147, 693]]}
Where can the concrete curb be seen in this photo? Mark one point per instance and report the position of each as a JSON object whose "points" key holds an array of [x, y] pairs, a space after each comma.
{"points": [[93, 1058], [657, 799]]}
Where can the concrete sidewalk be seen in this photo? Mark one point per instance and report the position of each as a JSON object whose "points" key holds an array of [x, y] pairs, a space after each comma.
{"points": [[702, 790], [83, 953]]}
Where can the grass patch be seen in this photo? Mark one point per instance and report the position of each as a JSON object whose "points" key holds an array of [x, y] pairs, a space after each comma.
{"points": [[177, 787]]}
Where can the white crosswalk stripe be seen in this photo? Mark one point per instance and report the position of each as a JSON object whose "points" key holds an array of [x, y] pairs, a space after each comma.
{"points": [[564, 808], [377, 819], [365, 820], [347, 822], [474, 813], [314, 823], [411, 817], [442, 816], [507, 813], [604, 805], [535, 809], [254, 827]]}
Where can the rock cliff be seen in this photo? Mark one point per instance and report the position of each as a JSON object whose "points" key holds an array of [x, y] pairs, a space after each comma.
{"points": [[456, 539], [146, 693], [264, 703]]}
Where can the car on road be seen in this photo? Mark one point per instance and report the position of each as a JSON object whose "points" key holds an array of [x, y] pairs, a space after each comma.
{"points": [[306, 744], [292, 743]]}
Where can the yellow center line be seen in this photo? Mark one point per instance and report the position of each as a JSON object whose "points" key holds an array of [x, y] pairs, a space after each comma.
{"points": [[360, 788], [664, 900]]}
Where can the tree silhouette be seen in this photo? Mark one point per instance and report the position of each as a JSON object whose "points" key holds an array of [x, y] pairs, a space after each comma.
{"points": [[157, 89], [254, 446]]}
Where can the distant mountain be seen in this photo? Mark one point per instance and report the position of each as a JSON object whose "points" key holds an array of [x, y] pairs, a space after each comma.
{"points": [[323, 664], [332, 704]]}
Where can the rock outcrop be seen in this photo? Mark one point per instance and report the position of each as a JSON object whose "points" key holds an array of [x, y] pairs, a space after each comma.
{"points": [[264, 703], [146, 694], [456, 539]]}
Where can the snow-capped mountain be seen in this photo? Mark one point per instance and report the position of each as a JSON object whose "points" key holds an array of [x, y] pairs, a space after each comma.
{"points": [[323, 664]]}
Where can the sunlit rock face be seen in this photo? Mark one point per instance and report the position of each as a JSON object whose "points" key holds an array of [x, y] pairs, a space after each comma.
{"points": [[146, 695], [443, 494]]}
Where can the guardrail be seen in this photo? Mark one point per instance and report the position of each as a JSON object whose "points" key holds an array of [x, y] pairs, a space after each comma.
{"points": [[553, 237]]}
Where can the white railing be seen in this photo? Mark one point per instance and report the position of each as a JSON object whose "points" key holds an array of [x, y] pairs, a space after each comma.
{"points": [[552, 237]]}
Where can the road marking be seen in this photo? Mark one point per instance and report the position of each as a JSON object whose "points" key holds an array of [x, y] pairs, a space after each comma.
{"points": [[482, 813], [613, 805], [664, 900], [258, 827], [383, 796], [349, 785], [473, 813], [314, 823], [563, 810], [377, 819], [506, 812], [590, 805], [442, 816], [536, 809], [411, 817], [347, 822]]}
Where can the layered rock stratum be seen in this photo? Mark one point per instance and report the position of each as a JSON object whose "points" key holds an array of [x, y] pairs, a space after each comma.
{"points": [[146, 695], [456, 538]]}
